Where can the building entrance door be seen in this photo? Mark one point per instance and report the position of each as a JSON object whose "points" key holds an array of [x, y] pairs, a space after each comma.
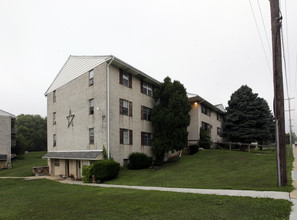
{"points": [[66, 167]]}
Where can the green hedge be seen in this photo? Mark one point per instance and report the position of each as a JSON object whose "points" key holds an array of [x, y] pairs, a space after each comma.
{"points": [[139, 161], [105, 170], [87, 172]]}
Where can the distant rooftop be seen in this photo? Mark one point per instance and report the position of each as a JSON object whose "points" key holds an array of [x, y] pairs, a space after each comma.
{"points": [[196, 98], [4, 113]]}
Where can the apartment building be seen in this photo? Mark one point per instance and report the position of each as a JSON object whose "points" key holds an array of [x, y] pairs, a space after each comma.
{"points": [[207, 116], [96, 102], [7, 138]]}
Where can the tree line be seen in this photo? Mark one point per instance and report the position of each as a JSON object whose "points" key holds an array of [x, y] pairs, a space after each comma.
{"points": [[31, 133]]}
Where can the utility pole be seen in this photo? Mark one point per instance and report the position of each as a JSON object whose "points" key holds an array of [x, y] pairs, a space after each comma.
{"points": [[276, 23]]}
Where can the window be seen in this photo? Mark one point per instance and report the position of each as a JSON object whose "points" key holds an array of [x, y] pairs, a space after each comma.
{"points": [[54, 96], [205, 110], [146, 88], [57, 162], [219, 131], [91, 135], [54, 140], [91, 77], [54, 118], [126, 136], [91, 106], [125, 162], [125, 107], [146, 139], [219, 117], [125, 78], [145, 113], [206, 127]]}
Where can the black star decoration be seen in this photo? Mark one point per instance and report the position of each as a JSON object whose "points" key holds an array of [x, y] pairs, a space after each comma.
{"points": [[70, 119]]}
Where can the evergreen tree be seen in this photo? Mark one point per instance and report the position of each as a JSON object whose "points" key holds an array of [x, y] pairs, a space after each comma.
{"points": [[248, 118], [170, 118]]}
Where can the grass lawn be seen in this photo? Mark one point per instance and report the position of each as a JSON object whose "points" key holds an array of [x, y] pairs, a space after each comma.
{"points": [[23, 167], [213, 169], [44, 199]]}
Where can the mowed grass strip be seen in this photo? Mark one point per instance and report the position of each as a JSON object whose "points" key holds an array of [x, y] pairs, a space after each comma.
{"points": [[213, 169], [23, 167], [44, 199]]}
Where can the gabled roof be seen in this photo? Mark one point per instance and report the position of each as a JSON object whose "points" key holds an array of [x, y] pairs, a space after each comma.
{"points": [[4, 113], [75, 66], [196, 98]]}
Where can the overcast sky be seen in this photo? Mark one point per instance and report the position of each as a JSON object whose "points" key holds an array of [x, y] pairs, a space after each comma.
{"points": [[212, 47]]}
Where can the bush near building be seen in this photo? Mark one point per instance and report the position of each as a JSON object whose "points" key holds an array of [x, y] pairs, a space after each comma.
{"points": [[139, 161]]}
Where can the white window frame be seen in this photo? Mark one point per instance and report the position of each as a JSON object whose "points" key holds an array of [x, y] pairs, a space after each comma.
{"points": [[147, 138], [91, 106], [54, 118], [146, 113], [91, 77], [126, 136], [125, 79], [91, 136], [147, 89], [54, 96], [54, 140]]}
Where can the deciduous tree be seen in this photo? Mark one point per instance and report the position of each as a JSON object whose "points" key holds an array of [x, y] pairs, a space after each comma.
{"points": [[31, 133]]}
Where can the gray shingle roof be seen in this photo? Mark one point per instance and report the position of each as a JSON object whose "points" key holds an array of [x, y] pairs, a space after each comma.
{"points": [[74, 155]]}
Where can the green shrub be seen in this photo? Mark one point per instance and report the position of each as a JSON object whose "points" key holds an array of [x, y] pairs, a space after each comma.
{"points": [[87, 172], [139, 161], [204, 139], [194, 148], [105, 170], [104, 153]]}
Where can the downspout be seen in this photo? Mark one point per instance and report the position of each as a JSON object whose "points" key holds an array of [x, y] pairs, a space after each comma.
{"points": [[107, 93]]}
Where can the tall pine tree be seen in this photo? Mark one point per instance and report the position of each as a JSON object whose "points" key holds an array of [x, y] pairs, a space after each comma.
{"points": [[170, 118], [248, 118]]}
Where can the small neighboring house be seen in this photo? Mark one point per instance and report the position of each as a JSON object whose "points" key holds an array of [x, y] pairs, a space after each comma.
{"points": [[207, 116], [7, 138], [97, 101]]}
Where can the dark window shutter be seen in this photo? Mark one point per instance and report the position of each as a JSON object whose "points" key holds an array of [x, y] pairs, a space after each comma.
{"points": [[130, 109], [131, 137], [142, 113], [121, 76], [121, 136], [130, 81], [142, 138], [141, 85], [121, 106]]}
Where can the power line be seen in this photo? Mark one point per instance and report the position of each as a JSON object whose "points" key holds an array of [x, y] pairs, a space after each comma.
{"points": [[259, 6], [287, 35], [285, 62], [260, 37]]}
